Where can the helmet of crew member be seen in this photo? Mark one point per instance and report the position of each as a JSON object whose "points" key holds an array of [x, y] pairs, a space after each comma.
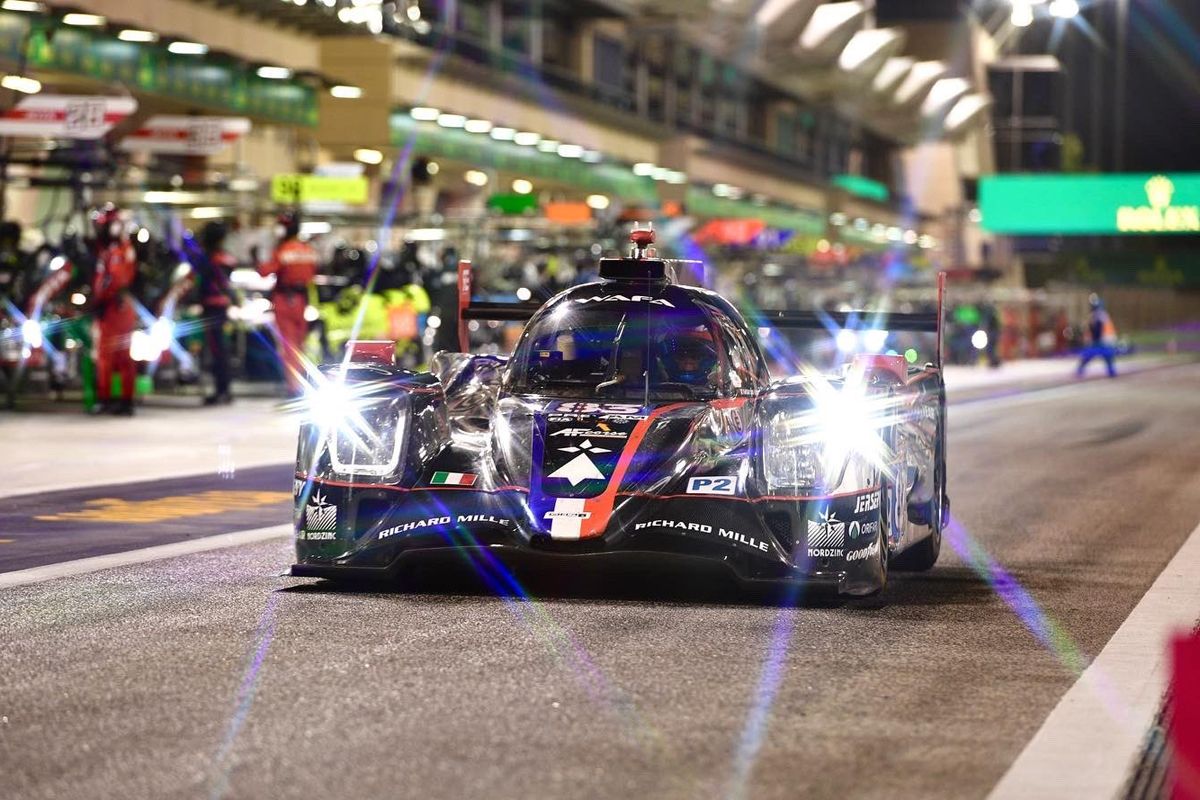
{"points": [[106, 221], [287, 225], [212, 236], [1094, 301], [688, 356]]}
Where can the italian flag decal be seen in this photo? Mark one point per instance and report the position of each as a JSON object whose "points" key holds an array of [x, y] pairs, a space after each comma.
{"points": [[452, 479]]}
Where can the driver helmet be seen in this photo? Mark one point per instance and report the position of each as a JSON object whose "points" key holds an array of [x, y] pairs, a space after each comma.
{"points": [[688, 356]]}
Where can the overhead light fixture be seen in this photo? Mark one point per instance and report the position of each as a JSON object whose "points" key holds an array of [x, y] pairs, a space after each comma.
{"points": [[548, 145], [1022, 14], [187, 48], [570, 150], [527, 138], [315, 228], [660, 173], [274, 73], [243, 185], [83, 20], [522, 186], [477, 126], [476, 177], [207, 212], [592, 156], [21, 84], [137, 35], [368, 156], [1064, 9], [644, 168], [21, 5], [597, 201], [676, 177], [424, 113], [346, 92], [502, 134], [451, 120], [172, 197]]}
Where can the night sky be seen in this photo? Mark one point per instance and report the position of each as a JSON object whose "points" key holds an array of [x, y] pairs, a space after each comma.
{"points": [[1163, 101]]}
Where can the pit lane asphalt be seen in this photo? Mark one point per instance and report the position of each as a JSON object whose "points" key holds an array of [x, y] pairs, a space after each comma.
{"points": [[211, 676]]}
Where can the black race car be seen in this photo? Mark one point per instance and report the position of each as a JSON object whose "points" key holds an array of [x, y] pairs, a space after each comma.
{"points": [[635, 419]]}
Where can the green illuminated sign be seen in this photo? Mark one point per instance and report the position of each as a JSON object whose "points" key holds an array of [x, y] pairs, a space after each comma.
{"points": [[703, 203], [529, 162], [862, 187], [209, 81], [1077, 205]]}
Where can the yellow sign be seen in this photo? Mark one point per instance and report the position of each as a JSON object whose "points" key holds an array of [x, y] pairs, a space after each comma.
{"points": [[1160, 216], [295, 188], [111, 509]]}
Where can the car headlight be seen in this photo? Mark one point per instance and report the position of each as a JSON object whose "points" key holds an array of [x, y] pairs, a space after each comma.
{"points": [[789, 461], [829, 441], [362, 424]]}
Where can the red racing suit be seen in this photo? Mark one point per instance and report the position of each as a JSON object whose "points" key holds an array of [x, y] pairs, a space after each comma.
{"points": [[116, 319], [294, 264]]}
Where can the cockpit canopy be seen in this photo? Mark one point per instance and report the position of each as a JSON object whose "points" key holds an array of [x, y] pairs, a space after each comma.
{"points": [[608, 342]]}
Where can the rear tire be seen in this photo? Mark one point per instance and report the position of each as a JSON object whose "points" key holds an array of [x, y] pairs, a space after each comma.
{"points": [[924, 554]]}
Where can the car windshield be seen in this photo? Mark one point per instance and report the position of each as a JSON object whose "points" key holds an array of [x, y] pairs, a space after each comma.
{"points": [[625, 351]]}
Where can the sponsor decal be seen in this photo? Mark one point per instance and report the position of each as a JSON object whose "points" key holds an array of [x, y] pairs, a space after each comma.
{"points": [[620, 298], [866, 552], [566, 517], [586, 446], [716, 485], [453, 479], [827, 532], [579, 469], [866, 529], [439, 522], [742, 538], [700, 527], [432, 522], [867, 502], [486, 519], [320, 518], [824, 552], [297, 487], [601, 431]]}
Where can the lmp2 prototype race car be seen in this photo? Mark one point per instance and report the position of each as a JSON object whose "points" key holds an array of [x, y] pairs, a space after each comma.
{"points": [[635, 419]]}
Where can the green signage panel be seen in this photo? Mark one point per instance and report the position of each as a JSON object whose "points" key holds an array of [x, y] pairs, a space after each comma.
{"points": [[1078, 205], [296, 188], [862, 187], [483, 151], [703, 203], [208, 81]]}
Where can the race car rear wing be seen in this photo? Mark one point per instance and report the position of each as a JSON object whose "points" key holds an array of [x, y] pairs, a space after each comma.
{"points": [[810, 320], [863, 320], [475, 310]]}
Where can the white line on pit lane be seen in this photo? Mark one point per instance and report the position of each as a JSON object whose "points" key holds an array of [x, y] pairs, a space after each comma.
{"points": [[1091, 740], [83, 566]]}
